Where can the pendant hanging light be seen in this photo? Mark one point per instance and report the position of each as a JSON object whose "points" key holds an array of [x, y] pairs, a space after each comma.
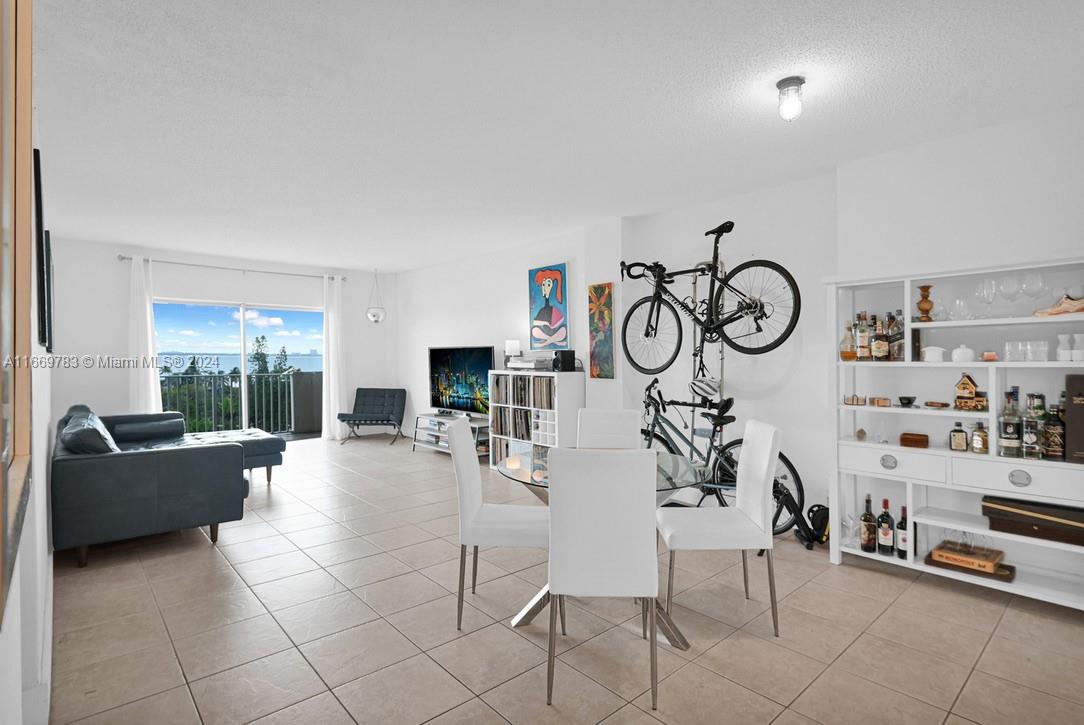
{"points": [[376, 312]]}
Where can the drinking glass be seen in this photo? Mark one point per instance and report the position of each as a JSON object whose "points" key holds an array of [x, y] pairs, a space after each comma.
{"points": [[985, 292], [1038, 351], [959, 310], [1015, 351], [1009, 287], [1034, 285]]}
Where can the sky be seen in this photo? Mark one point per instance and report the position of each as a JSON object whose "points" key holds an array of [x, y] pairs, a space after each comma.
{"points": [[212, 328]]}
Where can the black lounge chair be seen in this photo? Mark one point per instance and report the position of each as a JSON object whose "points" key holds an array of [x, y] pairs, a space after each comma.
{"points": [[376, 406]]}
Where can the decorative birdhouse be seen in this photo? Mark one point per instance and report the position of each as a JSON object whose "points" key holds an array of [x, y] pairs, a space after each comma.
{"points": [[968, 396]]}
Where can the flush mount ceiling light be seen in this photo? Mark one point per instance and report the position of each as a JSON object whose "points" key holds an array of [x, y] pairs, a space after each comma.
{"points": [[790, 97]]}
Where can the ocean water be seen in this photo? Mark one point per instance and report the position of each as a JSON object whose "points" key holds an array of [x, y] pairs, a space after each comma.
{"points": [[213, 361]]}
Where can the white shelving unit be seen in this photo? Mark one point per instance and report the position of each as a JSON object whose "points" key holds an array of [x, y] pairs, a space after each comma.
{"points": [[531, 412], [943, 489], [431, 432]]}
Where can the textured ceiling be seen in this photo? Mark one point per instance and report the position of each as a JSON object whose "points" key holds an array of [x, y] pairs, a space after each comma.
{"points": [[399, 134]]}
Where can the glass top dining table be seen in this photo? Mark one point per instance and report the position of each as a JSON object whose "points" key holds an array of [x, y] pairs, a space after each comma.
{"points": [[672, 473]]}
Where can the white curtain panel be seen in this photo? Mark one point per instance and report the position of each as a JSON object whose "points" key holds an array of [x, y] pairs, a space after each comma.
{"points": [[144, 391], [335, 395]]}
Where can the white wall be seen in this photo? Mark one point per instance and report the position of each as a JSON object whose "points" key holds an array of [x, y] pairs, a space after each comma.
{"points": [[999, 195], [794, 225], [91, 301], [478, 302]]}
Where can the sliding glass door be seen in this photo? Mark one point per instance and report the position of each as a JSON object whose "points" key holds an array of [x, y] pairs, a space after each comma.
{"points": [[226, 367]]}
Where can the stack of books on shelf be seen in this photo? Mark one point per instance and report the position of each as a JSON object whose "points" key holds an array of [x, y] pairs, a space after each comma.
{"points": [[543, 393]]}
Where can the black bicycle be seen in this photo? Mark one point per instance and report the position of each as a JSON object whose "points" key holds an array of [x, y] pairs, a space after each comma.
{"points": [[720, 459], [753, 309]]}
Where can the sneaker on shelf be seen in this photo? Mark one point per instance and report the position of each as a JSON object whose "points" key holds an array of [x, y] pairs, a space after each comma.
{"points": [[1065, 306]]}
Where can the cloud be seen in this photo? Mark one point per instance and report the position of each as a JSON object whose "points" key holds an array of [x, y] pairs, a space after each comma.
{"points": [[287, 333], [314, 337], [212, 323], [254, 318], [188, 333]]}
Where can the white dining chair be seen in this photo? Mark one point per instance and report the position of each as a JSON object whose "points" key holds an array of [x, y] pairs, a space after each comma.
{"points": [[746, 525], [609, 428], [598, 549], [487, 524]]}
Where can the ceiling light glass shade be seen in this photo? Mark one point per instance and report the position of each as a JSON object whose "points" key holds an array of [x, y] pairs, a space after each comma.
{"points": [[376, 312], [790, 97]]}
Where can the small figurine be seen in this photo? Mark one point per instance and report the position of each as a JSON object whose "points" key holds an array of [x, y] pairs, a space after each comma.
{"points": [[968, 396]]}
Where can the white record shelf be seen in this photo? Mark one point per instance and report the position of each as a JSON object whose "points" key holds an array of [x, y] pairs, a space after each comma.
{"points": [[943, 489], [531, 412]]}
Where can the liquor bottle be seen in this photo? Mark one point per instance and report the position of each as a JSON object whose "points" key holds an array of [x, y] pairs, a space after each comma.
{"points": [[980, 439], [879, 347], [901, 534], [886, 531], [861, 338], [957, 438], [867, 528], [846, 345], [896, 345], [1054, 432], [1008, 427], [1033, 418]]}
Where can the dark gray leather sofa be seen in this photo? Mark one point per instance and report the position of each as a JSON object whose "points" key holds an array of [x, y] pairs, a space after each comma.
{"points": [[156, 482]]}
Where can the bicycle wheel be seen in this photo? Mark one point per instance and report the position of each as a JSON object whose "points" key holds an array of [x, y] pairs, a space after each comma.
{"points": [[762, 303], [651, 335], [726, 469], [656, 442]]}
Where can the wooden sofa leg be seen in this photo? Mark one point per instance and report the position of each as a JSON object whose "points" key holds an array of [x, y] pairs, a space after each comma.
{"points": [[269, 473], [214, 533], [82, 554]]}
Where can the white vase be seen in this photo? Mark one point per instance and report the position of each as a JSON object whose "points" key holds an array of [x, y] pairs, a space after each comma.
{"points": [[1078, 347], [1065, 350]]}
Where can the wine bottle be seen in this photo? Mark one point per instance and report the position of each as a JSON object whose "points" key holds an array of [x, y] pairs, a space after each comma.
{"points": [[901, 534], [886, 531], [867, 528]]}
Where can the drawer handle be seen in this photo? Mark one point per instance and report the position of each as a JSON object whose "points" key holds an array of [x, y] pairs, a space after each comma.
{"points": [[1019, 478], [889, 461]]}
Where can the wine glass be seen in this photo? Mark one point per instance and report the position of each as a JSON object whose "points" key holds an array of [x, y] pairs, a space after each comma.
{"points": [[985, 293], [1034, 285], [959, 310], [1009, 287]]}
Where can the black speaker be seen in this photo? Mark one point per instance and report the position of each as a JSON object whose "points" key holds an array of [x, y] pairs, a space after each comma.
{"points": [[564, 361]]}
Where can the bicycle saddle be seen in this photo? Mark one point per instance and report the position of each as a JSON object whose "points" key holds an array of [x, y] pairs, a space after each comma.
{"points": [[720, 230], [718, 419]]}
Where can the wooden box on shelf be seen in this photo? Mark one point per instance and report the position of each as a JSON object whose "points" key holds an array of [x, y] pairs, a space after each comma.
{"points": [[1041, 520], [914, 440]]}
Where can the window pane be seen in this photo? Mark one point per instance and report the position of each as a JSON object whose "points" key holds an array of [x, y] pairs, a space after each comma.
{"points": [[199, 357], [285, 363]]}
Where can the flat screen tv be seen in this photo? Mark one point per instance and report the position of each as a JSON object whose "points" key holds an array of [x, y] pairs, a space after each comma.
{"points": [[459, 378]]}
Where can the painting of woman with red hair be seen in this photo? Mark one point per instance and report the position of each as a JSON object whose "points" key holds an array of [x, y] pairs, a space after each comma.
{"points": [[549, 308]]}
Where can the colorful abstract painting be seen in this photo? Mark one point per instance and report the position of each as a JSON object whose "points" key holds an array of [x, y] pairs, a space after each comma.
{"points": [[600, 314], [549, 307]]}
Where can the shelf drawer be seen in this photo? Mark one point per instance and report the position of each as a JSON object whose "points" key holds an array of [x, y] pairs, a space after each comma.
{"points": [[893, 462], [1020, 478]]}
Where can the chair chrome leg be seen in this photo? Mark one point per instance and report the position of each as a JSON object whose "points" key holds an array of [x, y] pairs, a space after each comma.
{"points": [[643, 617], [561, 607], [745, 571], [474, 571], [670, 584], [654, 657], [771, 589], [462, 577], [552, 651]]}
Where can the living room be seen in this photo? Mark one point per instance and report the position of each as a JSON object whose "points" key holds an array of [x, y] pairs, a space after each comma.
{"points": [[260, 261]]}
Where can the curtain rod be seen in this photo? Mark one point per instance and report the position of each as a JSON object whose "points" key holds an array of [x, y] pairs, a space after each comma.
{"points": [[128, 258]]}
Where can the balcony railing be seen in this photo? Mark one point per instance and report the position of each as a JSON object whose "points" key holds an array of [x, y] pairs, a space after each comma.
{"points": [[213, 402]]}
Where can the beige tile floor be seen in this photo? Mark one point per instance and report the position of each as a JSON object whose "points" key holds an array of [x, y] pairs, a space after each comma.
{"points": [[332, 601]]}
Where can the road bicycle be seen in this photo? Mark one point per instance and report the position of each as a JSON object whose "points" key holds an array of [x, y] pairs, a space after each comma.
{"points": [[720, 460], [753, 309]]}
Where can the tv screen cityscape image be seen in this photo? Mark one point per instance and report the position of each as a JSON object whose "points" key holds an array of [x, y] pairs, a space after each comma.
{"points": [[459, 378]]}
